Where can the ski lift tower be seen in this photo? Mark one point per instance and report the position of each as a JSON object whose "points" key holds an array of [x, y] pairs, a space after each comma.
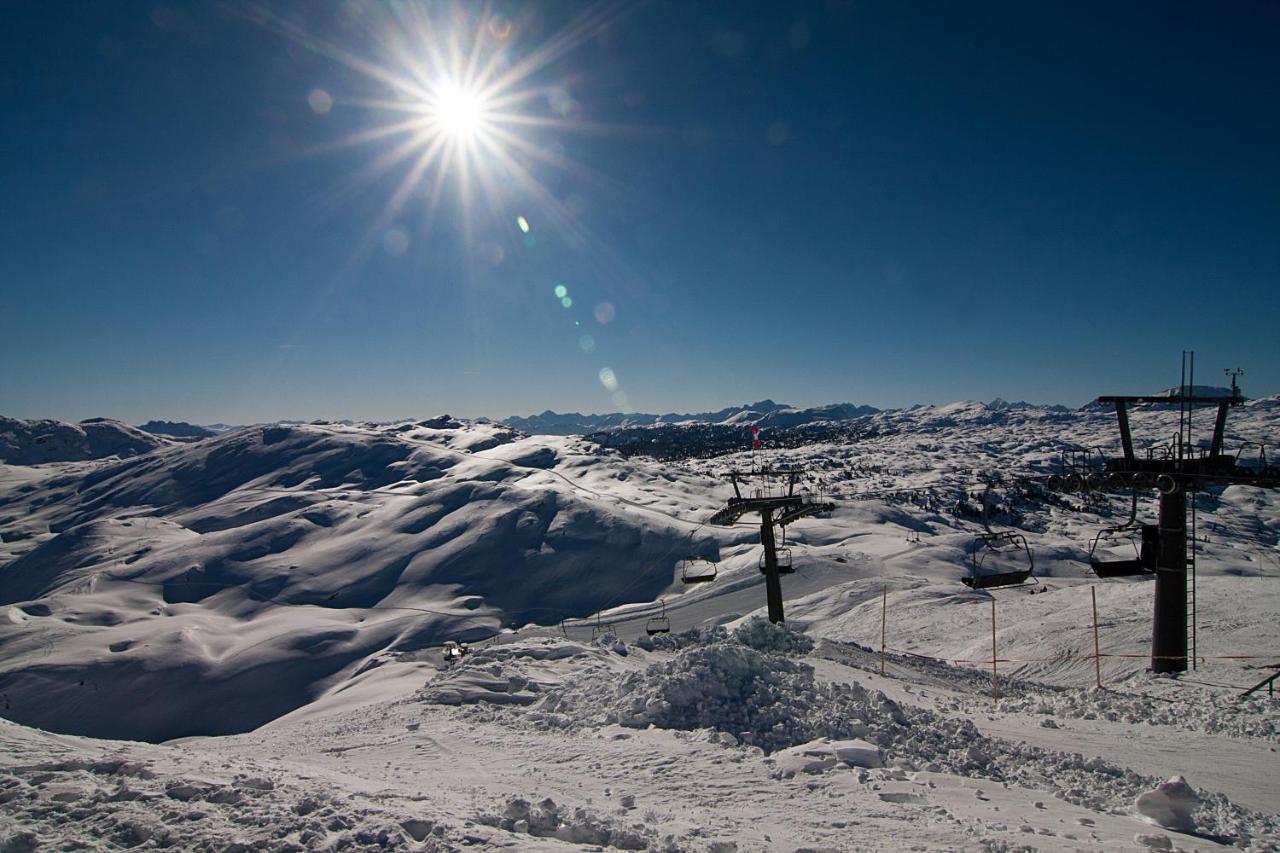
{"points": [[1180, 468], [774, 507]]}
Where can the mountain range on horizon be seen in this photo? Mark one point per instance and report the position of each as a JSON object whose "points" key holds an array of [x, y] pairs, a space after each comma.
{"points": [[25, 442], [764, 414]]}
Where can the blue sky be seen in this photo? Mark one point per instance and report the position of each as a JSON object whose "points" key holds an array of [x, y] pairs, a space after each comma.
{"points": [[881, 203]]}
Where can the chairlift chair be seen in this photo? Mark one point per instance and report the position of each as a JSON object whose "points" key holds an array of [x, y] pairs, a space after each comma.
{"points": [[783, 556], [659, 624], [998, 559], [697, 570], [1144, 557], [1013, 555]]}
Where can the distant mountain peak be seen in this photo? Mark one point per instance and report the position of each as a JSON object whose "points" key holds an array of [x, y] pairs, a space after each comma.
{"points": [[1196, 391], [177, 429], [762, 413]]}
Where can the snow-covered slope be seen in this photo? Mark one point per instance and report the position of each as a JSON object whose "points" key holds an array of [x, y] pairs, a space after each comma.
{"points": [[278, 557], [36, 442], [297, 581]]}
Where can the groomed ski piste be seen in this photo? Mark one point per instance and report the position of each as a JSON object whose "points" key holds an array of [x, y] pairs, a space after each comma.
{"points": [[234, 644]]}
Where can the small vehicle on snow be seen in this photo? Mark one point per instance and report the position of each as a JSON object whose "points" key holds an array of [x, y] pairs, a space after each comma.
{"points": [[453, 651]]}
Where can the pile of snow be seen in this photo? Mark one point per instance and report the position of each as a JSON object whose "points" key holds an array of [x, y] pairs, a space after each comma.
{"points": [[547, 819], [1171, 805], [771, 704], [38, 442], [764, 636], [823, 755], [519, 673]]}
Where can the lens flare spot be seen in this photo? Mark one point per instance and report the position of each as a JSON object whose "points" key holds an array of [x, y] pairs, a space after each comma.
{"points": [[395, 242], [587, 343], [620, 400], [499, 27], [608, 379], [566, 301], [320, 101], [560, 102], [605, 313], [561, 291], [523, 224]]}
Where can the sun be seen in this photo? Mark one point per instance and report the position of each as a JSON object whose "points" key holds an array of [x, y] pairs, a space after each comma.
{"points": [[454, 97], [458, 112]]}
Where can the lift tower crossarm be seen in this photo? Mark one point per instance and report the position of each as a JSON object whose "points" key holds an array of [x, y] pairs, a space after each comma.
{"points": [[1174, 399], [738, 507], [1122, 416], [789, 507], [804, 511]]}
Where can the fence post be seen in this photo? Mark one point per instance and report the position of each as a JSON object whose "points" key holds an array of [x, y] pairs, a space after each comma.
{"points": [[995, 692], [884, 612], [1097, 654]]}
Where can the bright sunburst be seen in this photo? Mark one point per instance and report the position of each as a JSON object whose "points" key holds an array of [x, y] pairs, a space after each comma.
{"points": [[458, 112], [461, 103]]}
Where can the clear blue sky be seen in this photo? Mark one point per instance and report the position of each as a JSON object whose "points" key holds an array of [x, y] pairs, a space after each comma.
{"points": [[881, 203]]}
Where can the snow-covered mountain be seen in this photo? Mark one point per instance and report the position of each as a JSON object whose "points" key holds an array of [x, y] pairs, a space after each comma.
{"points": [[998, 403], [762, 413], [279, 555], [36, 442], [282, 592], [178, 429]]}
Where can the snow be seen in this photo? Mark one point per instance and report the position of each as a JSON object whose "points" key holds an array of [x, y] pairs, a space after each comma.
{"points": [[35, 442], [267, 608], [1170, 804]]}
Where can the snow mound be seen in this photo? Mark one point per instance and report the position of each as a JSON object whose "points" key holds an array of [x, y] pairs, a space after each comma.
{"points": [[765, 703], [516, 674], [764, 699], [1170, 805], [546, 819], [825, 754], [764, 636]]}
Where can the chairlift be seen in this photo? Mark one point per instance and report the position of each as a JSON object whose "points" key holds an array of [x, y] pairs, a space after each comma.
{"points": [[1144, 557], [659, 624], [998, 559], [697, 570], [783, 556]]}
